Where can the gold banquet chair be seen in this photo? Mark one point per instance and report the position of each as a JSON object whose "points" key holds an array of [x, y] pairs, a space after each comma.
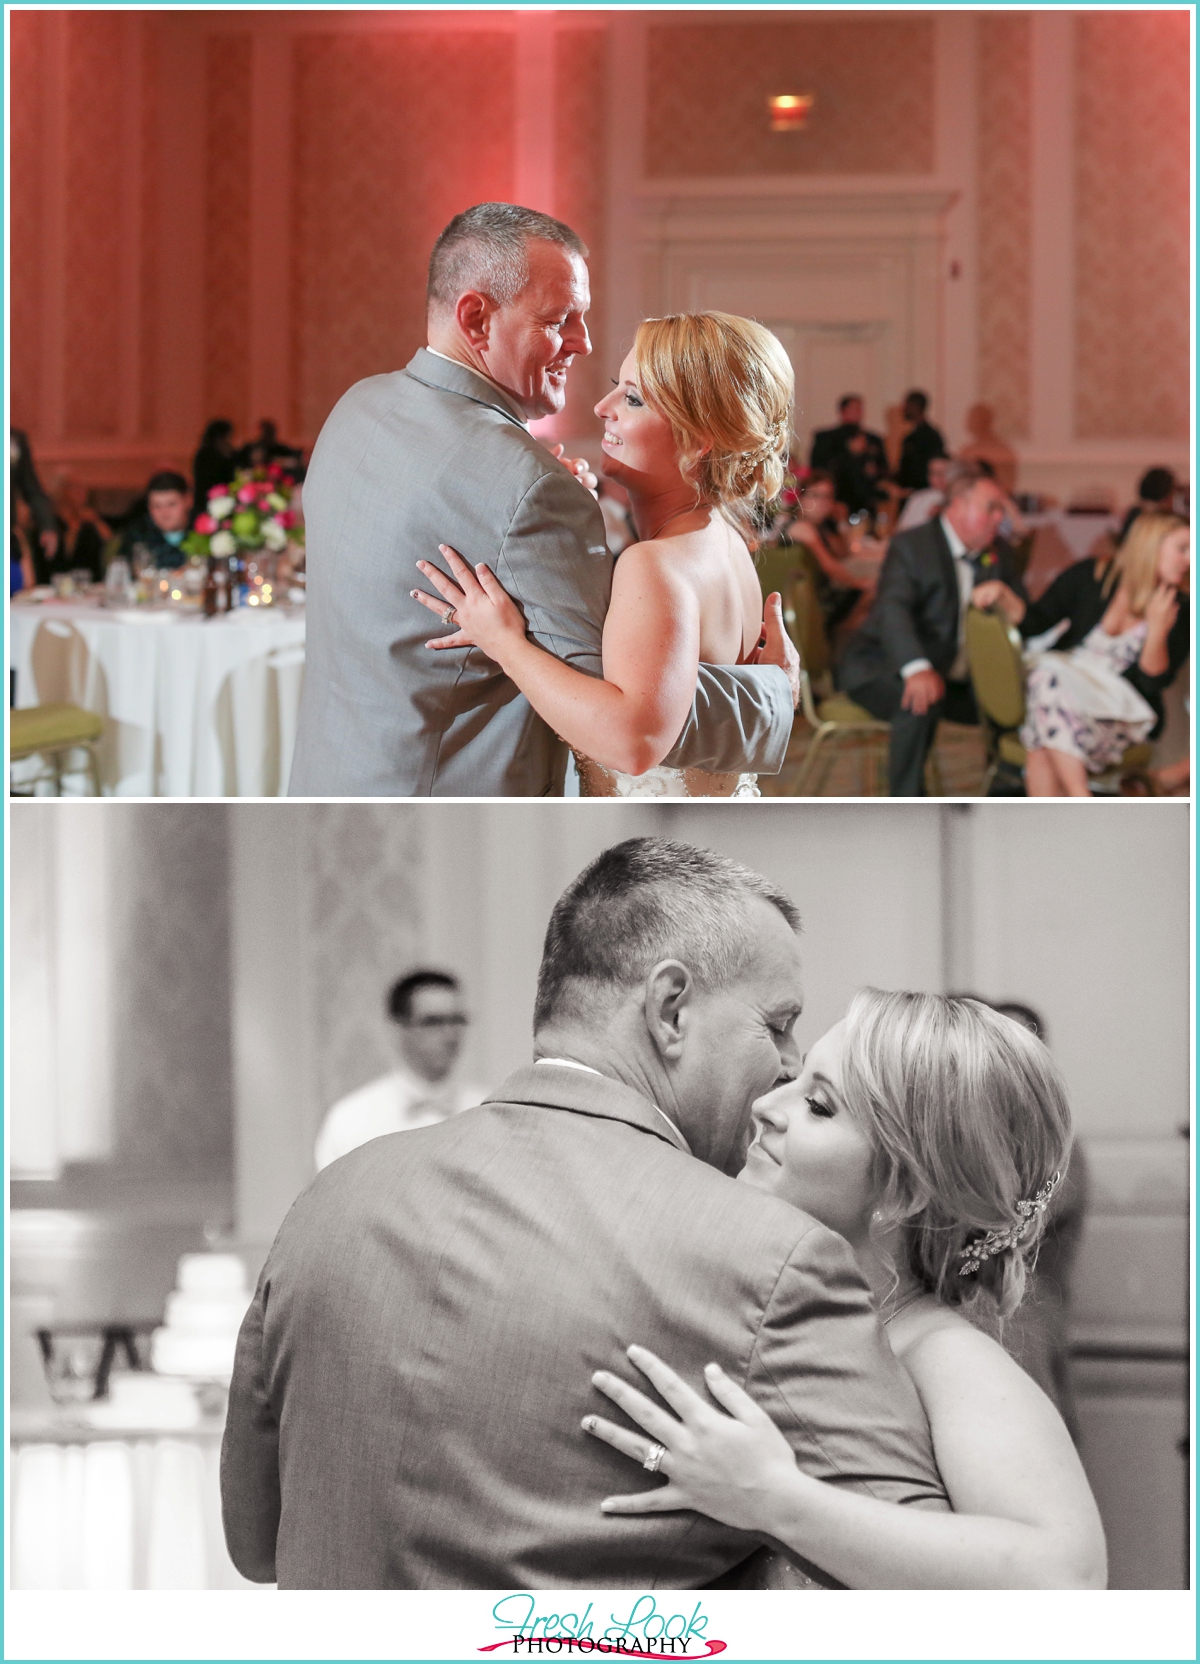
{"points": [[997, 664], [53, 732], [838, 724]]}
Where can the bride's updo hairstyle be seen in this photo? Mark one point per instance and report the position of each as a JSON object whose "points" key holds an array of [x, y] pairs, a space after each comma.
{"points": [[968, 1116], [725, 386]]}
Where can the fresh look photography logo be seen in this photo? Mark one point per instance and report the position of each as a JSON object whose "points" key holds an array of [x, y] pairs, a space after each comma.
{"points": [[646, 1630]]}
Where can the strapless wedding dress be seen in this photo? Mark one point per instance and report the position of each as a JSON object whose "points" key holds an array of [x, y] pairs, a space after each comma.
{"points": [[597, 781]]}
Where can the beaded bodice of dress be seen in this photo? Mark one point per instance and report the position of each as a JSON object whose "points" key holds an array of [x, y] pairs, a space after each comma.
{"points": [[597, 781]]}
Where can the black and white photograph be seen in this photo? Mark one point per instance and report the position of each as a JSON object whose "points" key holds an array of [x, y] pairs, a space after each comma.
{"points": [[625, 1197], [567, 1087], [668, 402]]}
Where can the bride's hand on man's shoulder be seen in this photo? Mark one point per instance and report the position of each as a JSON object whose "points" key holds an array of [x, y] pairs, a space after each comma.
{"points": [[579, 466], [475, 603], [719, 1459]]}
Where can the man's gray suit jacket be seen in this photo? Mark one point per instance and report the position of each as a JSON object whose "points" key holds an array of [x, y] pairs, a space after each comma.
{"points": [[411, 1376], [435, 454]]}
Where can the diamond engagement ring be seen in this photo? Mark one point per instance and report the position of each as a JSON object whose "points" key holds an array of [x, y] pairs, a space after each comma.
{"points": [[653, 1457], [448, 616]]}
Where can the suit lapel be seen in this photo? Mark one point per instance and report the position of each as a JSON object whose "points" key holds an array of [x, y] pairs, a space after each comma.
{"points": [[949, 574], [449, 377], [556, 1087]]}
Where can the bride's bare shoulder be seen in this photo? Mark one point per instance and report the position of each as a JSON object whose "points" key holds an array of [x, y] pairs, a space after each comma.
{"points": [[657, 560], [931, 1320]]}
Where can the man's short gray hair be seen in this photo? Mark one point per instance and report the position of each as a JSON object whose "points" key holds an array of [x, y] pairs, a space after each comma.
{"points": [[641, 902], [486, 248]]}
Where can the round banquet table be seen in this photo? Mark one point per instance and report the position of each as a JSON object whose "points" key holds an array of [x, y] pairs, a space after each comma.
{"points": [[193, 706]]}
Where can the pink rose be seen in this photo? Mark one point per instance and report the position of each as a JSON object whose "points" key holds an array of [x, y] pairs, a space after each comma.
{"points": [[246, 494], [205, 524]]}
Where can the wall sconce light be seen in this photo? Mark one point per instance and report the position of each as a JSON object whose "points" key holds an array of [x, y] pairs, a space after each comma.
{"points": [[790, 111]]}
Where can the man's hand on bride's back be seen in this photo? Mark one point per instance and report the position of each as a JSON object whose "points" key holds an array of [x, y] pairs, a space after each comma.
{"points": [[776, 646]]}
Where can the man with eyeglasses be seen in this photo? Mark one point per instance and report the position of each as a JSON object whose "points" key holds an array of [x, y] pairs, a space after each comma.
{"points": [[427, 1009]]}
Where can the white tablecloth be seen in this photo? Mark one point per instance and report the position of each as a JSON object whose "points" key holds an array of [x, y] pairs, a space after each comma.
{"points": [[140, 1512], [193, 707], [1078, 531]]}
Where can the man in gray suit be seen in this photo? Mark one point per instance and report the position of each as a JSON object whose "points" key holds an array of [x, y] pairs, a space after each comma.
{"points": [[439, 452], [411, 1376]]}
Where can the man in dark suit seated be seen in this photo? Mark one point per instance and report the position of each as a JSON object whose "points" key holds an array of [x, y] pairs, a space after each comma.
{"points": [[907, 664], [921, 444], [852, 454]]}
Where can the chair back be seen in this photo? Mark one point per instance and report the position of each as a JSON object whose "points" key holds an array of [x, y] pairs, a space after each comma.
{"points": [[997, 668], [61, 665], [782, 569], [810, 620]]}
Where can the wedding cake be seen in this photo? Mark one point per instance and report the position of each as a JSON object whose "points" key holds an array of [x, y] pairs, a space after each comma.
{"points": [[204, 1313]]}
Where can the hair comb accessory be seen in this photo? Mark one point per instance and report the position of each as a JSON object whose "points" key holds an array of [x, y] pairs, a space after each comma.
{"points": [[996, 1242]]}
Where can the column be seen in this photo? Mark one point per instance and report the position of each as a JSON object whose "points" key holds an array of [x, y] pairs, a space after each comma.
{"points": [[275, 1113], [271, 221], [1052, 259], [535, 104], [181, 183], [956, 130]]}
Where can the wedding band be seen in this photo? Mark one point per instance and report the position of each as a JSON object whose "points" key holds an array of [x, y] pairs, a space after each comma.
{"points": [[448, 616], [653, 1457]]}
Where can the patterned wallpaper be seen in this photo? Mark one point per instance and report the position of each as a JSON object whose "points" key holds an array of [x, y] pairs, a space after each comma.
{"points": [[579, 134], [1131, 224], [364, 900], [227, 209], [1003, 220], [93, 228], [26, 207], [394, 131], [172, 1080], [394, 134], [872, 76]]}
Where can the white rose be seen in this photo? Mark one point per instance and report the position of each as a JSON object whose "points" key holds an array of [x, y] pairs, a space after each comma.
{"points": [[219, 507], [222, 543], [274, 535]]}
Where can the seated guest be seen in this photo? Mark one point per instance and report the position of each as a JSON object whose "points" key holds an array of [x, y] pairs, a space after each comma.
{"points": [[926, 505], [852, 455], [21, 541], [82, 533], [214, 463], [908, 664], [921, 444], [154, 538], [26, 487], [1100, 690], [839, 593], [1156, 495], [427, 1009]]}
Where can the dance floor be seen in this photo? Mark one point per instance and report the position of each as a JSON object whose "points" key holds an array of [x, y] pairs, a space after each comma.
{"points": [[960, 757]]}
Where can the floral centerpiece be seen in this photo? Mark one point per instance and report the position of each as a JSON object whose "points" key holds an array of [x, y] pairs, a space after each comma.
{"points": [[249, 518]]}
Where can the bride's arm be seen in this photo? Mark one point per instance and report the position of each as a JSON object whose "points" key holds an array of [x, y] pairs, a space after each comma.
{"points": [[631, 719], [1024, 1517]]}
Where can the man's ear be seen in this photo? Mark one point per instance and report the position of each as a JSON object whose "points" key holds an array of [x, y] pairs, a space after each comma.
{"points": [[668, 1001], [474, 314]]}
